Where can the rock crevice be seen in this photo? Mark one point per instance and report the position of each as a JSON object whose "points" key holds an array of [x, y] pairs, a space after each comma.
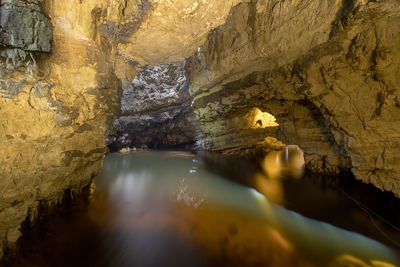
{"points": [[323, 75]]}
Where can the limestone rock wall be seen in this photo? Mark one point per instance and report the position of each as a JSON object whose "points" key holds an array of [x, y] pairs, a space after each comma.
{"points": [[156, 110], [63, 65], [327, 70], [23, 25], [55, 108], [159, 34], [172, 30]]}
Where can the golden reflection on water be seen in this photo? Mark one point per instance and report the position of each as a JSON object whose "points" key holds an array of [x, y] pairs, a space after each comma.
{"points": [[180, 154], [287, 163], [229, 238], [351, 261], [231, 225], [284, 162], [269, 187], [224, 236]]}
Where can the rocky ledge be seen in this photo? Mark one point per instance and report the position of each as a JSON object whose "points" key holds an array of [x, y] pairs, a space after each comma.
{"points": [[328, 71]]}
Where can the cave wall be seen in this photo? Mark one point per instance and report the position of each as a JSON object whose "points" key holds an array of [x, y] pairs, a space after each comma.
{"points": [[327, 70], [156, 111], [63, 65], [55, 107], [173, 29]]}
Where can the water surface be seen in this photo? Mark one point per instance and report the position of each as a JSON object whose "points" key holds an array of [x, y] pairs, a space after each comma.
{"points": [[153, 208]]}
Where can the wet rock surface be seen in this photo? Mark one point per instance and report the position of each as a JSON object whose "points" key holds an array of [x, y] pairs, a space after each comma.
{"points": [[57, 109], [332, 83], [327, 71], [156, 110], [23, 25]]}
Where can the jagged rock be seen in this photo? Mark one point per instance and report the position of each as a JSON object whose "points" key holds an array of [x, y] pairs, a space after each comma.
{"points": [[56, 109], [173, 29], [53, 118], [23, 25], [328, 71], [156, 110], [329, 75]]}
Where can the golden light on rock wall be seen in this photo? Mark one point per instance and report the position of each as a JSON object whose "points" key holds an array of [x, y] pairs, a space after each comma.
{"points": [[258, 119]]}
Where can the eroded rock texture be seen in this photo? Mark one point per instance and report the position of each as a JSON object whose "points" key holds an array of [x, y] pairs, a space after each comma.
{"points": [[172, 29], [156, 110], [23, 25], [327, 70], [56, 109]]}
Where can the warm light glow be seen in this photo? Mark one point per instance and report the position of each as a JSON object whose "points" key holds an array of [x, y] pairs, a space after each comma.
{"points": [[258, 119], [272, 164], [349, 260], [142, 197], [282, 241], [180, 154], [381, 264], [272, 188], [289, 161]]}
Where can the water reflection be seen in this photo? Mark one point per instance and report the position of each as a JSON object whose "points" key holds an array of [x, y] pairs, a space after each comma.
{"points": [[349, 260], [185, 195], [288, 162], [148, 209], [226, 222]]}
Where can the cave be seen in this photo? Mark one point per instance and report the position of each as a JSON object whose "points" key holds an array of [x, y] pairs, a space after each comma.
{"points": [[199, 133]]}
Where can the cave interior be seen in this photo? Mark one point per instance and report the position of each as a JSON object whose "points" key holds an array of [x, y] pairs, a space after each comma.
{"points": [[294, 104]]}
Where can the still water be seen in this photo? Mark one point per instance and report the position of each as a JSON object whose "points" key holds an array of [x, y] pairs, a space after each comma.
{"points": [[151, 208]]}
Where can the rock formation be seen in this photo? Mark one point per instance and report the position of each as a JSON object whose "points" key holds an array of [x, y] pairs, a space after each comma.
{"points": [[23, 25], [323, 75], [327, 70], [156, 110], [55, 108], [62, 67]]}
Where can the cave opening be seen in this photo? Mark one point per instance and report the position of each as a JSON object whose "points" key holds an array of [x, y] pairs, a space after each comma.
{"points": [[199, 133], [260, 119]]}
